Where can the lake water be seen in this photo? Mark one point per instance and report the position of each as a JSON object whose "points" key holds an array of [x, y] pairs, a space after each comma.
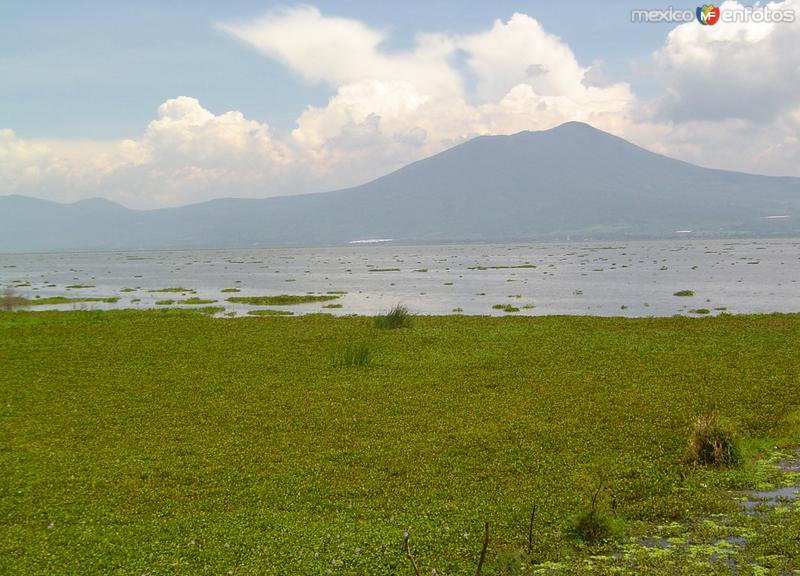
{"points": [[587, 278]]}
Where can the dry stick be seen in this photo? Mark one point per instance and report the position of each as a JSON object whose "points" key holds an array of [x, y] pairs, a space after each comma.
{"points": [[483, 550], [594, 508], [409, 556], [530, 530]]}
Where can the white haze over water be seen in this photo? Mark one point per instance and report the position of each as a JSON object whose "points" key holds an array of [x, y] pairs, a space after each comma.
{"points": [[580, 278]]}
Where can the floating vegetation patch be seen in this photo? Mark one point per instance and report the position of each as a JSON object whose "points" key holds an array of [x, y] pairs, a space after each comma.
{"points": [[197, 301], [177, 289], [501, 267], [684, 293], [268, 312], [282, 299], [65, 300], [505, 308]]}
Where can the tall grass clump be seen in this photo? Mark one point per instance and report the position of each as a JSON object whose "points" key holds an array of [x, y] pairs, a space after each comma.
{"points": [[353, 355], [397, 317], [712, 442]]}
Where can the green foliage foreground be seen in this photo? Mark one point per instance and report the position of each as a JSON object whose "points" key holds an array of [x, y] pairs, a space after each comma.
{"points": [[171, 442]]}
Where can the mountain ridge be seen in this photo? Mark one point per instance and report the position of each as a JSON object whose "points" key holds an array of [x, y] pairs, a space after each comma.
{"points": [[570, 181]]}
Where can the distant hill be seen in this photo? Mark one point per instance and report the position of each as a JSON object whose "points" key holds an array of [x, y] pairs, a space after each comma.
{"points": [[572, 181]]}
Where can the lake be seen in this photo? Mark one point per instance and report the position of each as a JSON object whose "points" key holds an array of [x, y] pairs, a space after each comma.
{"points": [[624, 278]]}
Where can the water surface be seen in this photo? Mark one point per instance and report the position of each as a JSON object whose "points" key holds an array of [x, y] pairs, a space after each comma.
{"points": [[580, 278]]}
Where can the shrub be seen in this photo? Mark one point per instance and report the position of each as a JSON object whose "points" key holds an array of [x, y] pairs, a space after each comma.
{"points": [[594, 526], [397, 317], [353, 355], [712, 442], [11, 300]]}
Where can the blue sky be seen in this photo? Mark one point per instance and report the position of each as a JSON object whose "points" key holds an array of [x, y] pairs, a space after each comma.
{"points": [[166, 103], [99, 69]]}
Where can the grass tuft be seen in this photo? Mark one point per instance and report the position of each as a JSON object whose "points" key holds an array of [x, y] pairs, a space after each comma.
{"points": [[397, 317], [353, 355], [713, 442]]}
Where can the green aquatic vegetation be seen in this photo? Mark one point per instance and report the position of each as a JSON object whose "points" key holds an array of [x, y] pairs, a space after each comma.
{"points": [[127, 289], [230, 290], [65, 300], [80, 286], [332, 305], [165, 302], [268, 312], [501, 267], [384, 270], [505, 307], [176, 289], [196, 301], [223, 445], [700, 311], [281, 299], [684, 293]]}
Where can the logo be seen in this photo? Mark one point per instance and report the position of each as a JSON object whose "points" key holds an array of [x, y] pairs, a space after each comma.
{"points": [[707, 14]]}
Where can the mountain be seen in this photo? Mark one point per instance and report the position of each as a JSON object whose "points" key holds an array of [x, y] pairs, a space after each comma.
{"points": [[572, 181]]}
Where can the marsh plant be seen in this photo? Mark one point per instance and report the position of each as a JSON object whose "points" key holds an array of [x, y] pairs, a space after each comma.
{"points": [[713, 442], [11, 301], [397, 317], [594, 525], [353, 355]]}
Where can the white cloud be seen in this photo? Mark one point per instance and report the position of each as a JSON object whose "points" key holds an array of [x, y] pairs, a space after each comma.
{"points": [[747, 70], [338, 51], [526, 79], [187, 154], [731, 97], [730, 101]]}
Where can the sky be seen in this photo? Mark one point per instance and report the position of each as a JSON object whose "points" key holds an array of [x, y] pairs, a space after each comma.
{"points": [[153, 104]]}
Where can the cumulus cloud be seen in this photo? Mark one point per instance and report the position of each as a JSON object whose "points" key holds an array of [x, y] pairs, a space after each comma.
{"points": [[338, 51], [525, 79], [729, 101], [187, 154], [730, 94], [746, 70]]}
